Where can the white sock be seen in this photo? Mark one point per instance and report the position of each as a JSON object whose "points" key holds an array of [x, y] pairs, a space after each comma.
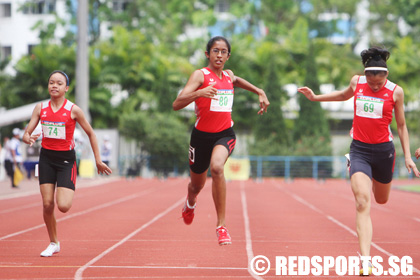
{"points": [[189, 206]]}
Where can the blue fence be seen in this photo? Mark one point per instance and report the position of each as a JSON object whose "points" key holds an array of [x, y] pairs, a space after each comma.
{"points": [[316, 167], [288, 167]]}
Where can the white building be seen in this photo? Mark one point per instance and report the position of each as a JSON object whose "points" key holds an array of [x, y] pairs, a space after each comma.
{"points": [[17, 19]]}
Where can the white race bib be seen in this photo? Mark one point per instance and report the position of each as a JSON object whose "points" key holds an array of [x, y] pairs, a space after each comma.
{"points": [[224, 102], [55, 130], [369, 107]]}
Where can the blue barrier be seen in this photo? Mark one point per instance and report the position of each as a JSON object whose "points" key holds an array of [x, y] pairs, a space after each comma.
{"points": [[288, 167], [316, 167]]}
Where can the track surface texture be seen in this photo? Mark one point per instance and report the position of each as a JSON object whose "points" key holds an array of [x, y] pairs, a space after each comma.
{"points": [[132, 229]]}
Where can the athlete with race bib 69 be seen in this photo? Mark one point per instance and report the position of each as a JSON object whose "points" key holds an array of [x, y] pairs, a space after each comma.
{"points": [[372, 152]]}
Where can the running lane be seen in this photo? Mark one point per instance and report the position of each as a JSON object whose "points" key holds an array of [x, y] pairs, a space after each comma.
{"points": [[133, 230], [318, 219], [125, 230], [169, 249], [101, 216]]}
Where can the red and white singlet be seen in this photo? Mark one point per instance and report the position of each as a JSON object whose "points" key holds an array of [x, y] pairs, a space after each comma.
{"points": [[57, 127], [373, 112], [215, 115]]}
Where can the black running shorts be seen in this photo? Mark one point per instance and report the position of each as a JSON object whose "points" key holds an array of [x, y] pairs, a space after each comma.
{"points": [[58, 168], [202, 144], [375, 160]]}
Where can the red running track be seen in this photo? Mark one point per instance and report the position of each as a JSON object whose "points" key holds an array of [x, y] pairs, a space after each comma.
{"points": [[121, 229]]}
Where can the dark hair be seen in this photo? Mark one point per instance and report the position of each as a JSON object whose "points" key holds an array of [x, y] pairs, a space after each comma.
{"points": [[62, 73], [375, 57], [215, 39]]}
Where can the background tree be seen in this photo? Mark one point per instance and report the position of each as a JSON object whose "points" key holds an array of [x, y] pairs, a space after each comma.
{"points": [[409, 11], [312, 121], [30, 82], [270, 135], [167, 146], [147, 56], [311, 131]]}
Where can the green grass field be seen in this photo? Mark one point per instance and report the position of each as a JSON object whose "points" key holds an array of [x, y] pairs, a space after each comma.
{"points": [[409, 188]]}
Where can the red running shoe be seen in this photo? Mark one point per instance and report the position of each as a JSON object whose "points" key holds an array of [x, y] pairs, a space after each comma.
{"points": [[223, 236], [187, 213]]}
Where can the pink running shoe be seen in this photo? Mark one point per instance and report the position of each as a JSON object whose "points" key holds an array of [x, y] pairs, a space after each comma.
{"points": [[223, 236], [187, 213]]}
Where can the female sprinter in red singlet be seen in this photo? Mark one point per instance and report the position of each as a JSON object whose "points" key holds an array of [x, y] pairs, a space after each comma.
{"points": [[57, 160], [372, 153], [212, 138]]}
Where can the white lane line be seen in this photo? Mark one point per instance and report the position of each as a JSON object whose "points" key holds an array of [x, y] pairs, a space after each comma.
{"points": [[69, 216], [19, 208], [169, 267], [79, 272], [83, 185], [205, 277], [18, 195], [307, 204], [248, 238]]}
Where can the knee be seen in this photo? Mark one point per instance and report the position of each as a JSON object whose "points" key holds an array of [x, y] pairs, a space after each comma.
{"points": [[64, 208], [381, 200], [217, 170], [362, 203], [48, 206], [195, 187]]}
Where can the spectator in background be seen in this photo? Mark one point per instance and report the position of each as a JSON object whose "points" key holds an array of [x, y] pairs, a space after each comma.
{"points": [[79, 151], [3, 151], [13, 157], [106, 150], [32, 154]]}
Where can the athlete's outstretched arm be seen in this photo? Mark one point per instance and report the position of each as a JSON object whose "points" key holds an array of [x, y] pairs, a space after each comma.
{"points": [[340, 95], [244, 84], [77, 114], [27, 137], [403, 131]]}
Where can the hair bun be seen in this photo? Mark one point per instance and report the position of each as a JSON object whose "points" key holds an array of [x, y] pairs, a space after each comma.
{"points": [[374, 54], [381, 54], [377, 57]]}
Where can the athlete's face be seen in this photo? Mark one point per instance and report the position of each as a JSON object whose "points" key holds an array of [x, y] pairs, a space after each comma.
{"points": [[219, 54], [376, 82], [57, 85]]}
